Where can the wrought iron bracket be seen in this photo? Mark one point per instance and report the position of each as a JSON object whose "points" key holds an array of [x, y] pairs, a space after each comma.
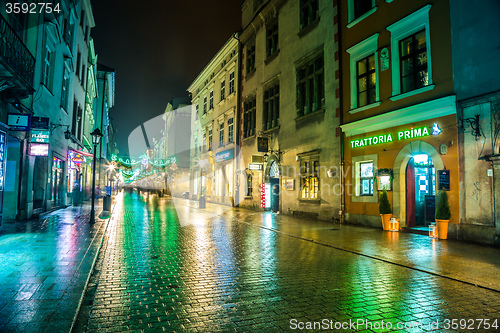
{"points": [[474, 125]]}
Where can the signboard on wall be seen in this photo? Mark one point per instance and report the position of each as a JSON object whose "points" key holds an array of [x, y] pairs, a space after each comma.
{"points": [[38, 149], [224, 155], [19, 122], [40, 123], [262, 144], [40, 136], [444, 180]]}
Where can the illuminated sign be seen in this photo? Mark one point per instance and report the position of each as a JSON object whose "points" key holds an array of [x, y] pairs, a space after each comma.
{"points": [[224, 155], [40, 136], [38, 149], [19, 122], [265, 195], [2, 158], [411, 133], [77, 159], [255, 167]]}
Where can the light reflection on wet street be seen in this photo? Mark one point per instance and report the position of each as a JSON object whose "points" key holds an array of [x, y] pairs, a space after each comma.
{"points": [[220, 274]]}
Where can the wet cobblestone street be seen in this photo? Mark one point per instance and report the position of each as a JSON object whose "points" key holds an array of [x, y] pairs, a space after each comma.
{"points": [[218, 274]]}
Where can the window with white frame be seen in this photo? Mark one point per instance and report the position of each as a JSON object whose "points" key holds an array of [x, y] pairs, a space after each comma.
{"points": [[221, 134], [211, 100], [231, 83], [364, 73], [48, 75], [222, 90], [230, 130], [65, 90], [363, 172], [204, 140], [210, 139], [411, 54], [205, 105]]}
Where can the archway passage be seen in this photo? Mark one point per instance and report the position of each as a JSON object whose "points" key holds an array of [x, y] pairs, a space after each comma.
{"points": [[275, 187], [420, 190]]}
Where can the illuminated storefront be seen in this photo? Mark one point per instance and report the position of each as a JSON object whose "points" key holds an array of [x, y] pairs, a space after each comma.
{"points": [[411, 154], [79, 171]]}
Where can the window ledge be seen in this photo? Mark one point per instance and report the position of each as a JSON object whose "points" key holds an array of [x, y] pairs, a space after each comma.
{"points": [[307, 29], [221, 101], [413, 92], [250, 74], [366, 107], [231, 94], [272, 57], [310, 115], [248, 197], [310, 201], [249, 137], [362, 17], [275, 128]]}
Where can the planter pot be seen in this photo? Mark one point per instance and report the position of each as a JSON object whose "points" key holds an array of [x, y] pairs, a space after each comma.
{"points": [[442, 228], [385, 220]]}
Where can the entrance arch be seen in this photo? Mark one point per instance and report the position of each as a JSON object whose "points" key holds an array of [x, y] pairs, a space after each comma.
{"points": [[399, 171]]}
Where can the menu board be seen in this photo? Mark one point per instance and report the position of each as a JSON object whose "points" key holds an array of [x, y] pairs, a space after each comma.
{"points": [[430, 208], [444, 180]]}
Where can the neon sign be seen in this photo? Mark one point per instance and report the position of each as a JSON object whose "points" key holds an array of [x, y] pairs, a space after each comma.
{"points": [[412, 133]]}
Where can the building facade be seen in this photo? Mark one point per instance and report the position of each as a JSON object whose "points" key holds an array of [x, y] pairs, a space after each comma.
{"points": [[290, 108], [399, 110], [213, 131]]}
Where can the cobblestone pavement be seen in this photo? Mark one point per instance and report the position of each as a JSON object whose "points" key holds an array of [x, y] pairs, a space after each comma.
{"points": [[219, 274]]}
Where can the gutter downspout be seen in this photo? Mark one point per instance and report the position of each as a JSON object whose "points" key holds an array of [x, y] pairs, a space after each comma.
{"points": [[237, 119], [341, 101]]}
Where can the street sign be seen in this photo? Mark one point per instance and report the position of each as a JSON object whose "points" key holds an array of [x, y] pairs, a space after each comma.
{"points": [[40, 136]]}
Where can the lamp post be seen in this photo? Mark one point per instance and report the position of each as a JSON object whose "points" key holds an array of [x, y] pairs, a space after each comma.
{"points": [[96, 137]]}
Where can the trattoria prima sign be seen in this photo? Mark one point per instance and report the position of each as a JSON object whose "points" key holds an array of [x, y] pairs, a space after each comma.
{"points": [[412, 133]]}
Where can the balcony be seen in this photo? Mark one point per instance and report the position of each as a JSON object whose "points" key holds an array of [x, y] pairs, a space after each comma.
{"points": [[17, 64]]}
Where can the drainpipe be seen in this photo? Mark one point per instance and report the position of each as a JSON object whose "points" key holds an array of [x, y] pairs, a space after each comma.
{"points": [[341, 102], [236, 134]]}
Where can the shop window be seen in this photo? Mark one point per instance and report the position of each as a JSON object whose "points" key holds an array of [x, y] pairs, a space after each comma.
{"points": [[363, 173], [411, 55], [309, 178], [308, 12], [310, 87], [366, 178], [271, 111], [364, 74], [249, 118], [249, 185]]}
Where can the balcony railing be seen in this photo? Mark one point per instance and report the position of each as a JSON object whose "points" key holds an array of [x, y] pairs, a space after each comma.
{"points": [[15, 53]]}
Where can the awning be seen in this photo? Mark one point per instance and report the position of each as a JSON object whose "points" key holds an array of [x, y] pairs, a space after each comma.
{"points": [[81, 152]]}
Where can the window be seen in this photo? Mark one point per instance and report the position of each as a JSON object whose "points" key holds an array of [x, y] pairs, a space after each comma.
{"points": [[272, 38], [271, 111], [308, 12], [78, 64], [249, 118], [230, 130], [221, 134], [222, 90], [65, 90], [366, 80], [231, 83], [361, 7], [69, 27], [211, 100], [204, 140], [251, 56], [210, 139], [310, 87], [249, 186], [364, 74], [411, 55], [205, 105], [359, 10], [413, 62], [48, 76], [74, 119], [366, 178], [309, 178]]}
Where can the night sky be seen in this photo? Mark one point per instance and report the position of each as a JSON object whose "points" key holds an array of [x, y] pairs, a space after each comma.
{"points": [[157, 47]]}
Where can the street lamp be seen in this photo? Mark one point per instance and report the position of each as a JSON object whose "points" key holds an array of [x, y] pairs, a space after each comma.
{"points": [[96, 137]]}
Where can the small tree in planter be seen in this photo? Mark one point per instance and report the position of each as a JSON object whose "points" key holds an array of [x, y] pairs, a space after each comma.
{"points": [[443, 214], [385, 210]]}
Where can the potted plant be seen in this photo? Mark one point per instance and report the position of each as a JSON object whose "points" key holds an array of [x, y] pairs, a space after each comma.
{"points": [[443, 214], [385, 210]]}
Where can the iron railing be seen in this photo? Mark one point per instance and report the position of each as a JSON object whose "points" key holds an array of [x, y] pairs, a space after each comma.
{"points": [[15, 53]]}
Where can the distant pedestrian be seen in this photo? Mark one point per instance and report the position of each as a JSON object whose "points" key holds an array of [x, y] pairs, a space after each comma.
{"points": [[77, 194]]}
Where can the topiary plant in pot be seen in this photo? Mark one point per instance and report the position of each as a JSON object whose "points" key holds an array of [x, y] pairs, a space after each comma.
{"points": [[443, 214], [385, 210]]}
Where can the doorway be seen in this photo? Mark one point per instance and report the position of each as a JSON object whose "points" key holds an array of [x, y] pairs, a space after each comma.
{"points": [[420, 191], [274, 182]]}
